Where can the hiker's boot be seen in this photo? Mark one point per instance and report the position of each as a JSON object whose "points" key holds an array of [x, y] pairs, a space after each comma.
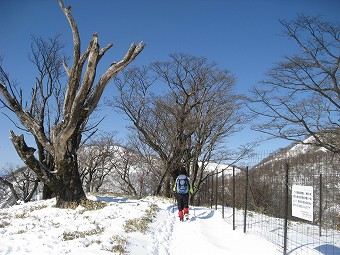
{"points": [[186, 210], [186, 213], [180, 214]]}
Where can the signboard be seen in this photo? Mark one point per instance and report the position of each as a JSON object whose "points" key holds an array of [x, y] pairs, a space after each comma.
{"points": [[302, 202]]}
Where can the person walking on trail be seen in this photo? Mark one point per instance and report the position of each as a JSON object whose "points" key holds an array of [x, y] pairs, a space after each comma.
{"points": [[181, 188]]}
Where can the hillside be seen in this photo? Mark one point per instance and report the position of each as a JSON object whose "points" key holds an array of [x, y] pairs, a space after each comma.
{"points": [[297, 153]]}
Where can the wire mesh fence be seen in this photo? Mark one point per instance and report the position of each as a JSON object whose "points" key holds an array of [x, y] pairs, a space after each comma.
{"points": [[293, 202]]}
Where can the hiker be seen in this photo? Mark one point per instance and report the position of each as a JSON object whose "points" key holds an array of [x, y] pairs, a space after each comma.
{"points": [[182, 187]]}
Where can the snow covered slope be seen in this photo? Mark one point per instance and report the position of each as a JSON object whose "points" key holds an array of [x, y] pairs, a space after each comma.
{"points": [[118, 228]]}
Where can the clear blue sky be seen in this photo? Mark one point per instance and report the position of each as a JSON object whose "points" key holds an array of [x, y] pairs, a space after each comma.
{"points": [[241, 36]]}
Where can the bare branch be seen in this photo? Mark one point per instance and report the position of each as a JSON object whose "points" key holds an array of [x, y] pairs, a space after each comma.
{"points": [[301, 96]]}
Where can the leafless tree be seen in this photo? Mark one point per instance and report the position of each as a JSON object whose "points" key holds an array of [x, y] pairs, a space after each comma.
{"points": [[188, 122], [108, 166], [97, 159], [22, 183], [300, 98], [126, 170], [82, 94], [138, 171]]}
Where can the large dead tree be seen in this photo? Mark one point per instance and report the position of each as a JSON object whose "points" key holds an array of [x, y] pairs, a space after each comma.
{"points": [[62, 140]]}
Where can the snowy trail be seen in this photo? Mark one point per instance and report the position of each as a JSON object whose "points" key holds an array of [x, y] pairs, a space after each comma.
{"points": [[40, 228], [206, 231], [162, 234]]}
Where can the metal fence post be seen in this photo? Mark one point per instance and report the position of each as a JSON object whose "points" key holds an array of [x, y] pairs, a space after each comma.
{"points": [[216, 190], [234, 202], [320, 205], [246, 202], [285, 228], [223, 194], [212, 191], [208, 195]]}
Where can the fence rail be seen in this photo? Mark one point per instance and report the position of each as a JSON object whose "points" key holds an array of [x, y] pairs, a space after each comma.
{"points": [[259, 199]]}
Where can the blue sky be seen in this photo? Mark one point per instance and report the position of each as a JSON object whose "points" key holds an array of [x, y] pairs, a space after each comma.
{"points": [[241, 36]]}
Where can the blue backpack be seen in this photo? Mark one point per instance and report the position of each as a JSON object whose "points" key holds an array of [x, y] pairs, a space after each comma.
{"points": [[182, 184]]}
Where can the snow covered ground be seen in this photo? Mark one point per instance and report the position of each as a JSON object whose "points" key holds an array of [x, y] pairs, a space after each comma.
{"points": [[40, 228]]}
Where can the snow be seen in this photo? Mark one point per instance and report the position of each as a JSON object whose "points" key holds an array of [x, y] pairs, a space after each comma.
{"points": [[40, 228]]}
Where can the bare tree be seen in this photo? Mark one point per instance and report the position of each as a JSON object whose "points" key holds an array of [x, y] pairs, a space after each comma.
{"points": [[22, 183], [138, 172], [300, 98], [46, 96], [125, 171], [195, 114], [98, 159], [107, 166], [82, 95]]}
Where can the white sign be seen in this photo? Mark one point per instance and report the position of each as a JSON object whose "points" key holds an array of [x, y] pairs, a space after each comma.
{"points": [[302, 202]]}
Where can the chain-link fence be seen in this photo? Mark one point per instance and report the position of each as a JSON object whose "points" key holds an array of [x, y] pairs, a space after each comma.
{"points": [[292, 202]]}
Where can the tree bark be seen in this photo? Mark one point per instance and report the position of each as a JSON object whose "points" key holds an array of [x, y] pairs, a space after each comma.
{"points": [[47, 192], [72, 189]]}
